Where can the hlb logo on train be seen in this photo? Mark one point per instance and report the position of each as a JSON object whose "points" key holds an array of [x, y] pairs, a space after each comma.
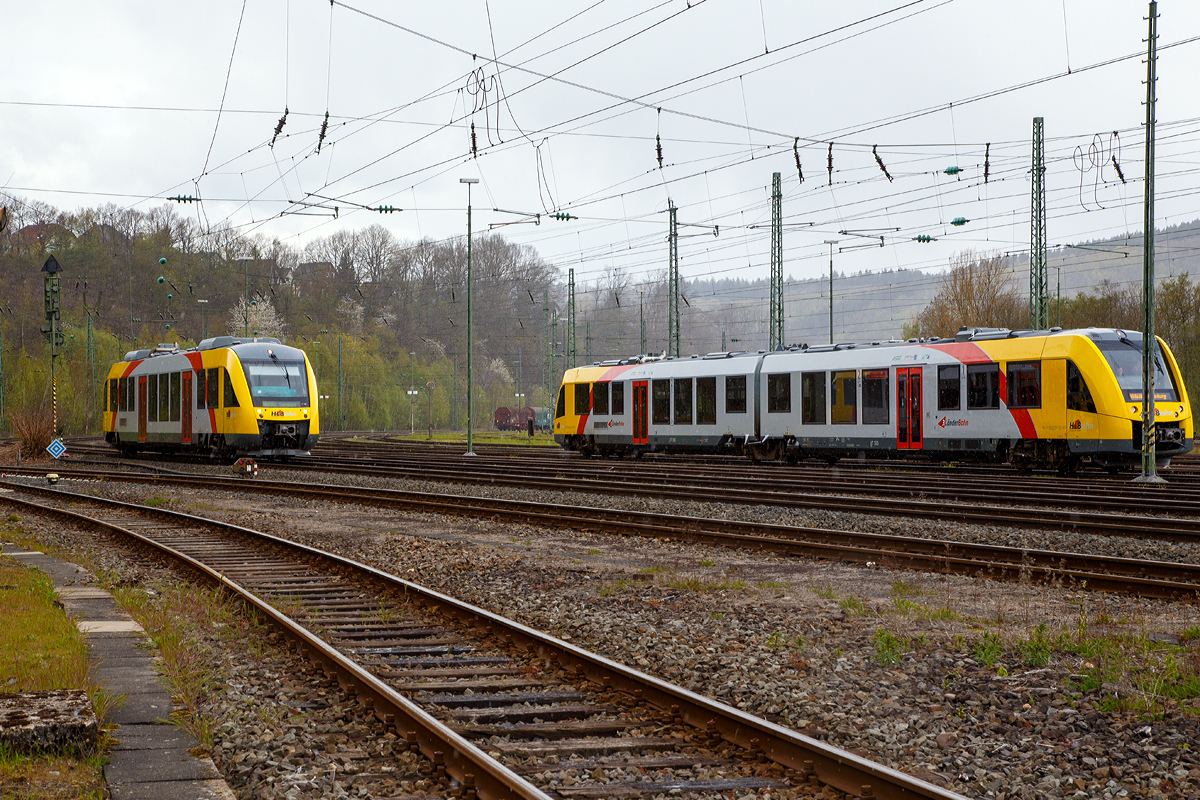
{"points": [[952, 423], [1078, 425]]}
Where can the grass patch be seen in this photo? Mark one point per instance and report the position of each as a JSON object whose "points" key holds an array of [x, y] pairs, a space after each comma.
{"points": [[988, 649], [939, 614], [905, 606], [852, 605], [40, 649], [594, 552], [824, 590], [183, 621], [889, 648], [906, 589], [692, 583], [708, 562], [1035, 651], [771, 585], [155, 502]]}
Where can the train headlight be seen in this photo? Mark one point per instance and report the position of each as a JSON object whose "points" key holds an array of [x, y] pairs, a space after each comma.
{"points": [[1133, 409]]}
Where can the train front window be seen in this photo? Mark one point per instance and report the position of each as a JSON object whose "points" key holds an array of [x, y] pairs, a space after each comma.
{"points": [[275, 382], [1124, 357], [583, 399]]}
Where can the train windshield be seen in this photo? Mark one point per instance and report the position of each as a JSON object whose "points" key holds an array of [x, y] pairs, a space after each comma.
{"points": [[277, 382], [1125, 358]]}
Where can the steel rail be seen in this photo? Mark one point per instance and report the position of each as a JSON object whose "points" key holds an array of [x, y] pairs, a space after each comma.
{"points": [[1138, 577], [808, 757]]}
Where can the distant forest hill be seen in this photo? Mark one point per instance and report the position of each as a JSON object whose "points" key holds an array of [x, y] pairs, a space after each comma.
{"points": [[872, 306]]}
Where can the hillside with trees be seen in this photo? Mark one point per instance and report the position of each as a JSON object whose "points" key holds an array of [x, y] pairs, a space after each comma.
{"points": [[393, 313]]}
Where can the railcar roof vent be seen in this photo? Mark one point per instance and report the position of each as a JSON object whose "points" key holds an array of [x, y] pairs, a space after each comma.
{"points": [[218, 341], [165, 348], [137, 355]]}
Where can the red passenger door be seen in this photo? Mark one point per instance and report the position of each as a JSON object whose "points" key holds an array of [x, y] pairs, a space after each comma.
{"points": [[909, 434], [186, 416], [141, 407], [641, 432]]}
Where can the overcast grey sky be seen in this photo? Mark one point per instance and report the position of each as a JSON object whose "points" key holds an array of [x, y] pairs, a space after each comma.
{"points": [[117, 102]]}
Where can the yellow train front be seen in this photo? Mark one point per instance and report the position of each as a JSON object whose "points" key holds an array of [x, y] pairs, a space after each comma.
{"points": [[228, 396]]}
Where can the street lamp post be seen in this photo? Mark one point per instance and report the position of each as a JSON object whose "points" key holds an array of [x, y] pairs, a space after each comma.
{"points": [[470, 332], [203, 316], [412, 392], [831, 243]]}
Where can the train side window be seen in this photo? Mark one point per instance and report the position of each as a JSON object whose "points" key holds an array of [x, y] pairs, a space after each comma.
{"points": [[177, 396], [662, 402], [845, 398], [779, 393], [949, 388], [112, 394], [130, 393], [212, 388], [618, 399], [560, 409], [123, 403], [735, 394], [1079, 397], [230, 398], [152, 398], [706, 401], [600, 398], [875, 400], [683, 401], [201, 389], [812, 395], [1024, 384], [164, 398], [983, 386], [583, 399]]}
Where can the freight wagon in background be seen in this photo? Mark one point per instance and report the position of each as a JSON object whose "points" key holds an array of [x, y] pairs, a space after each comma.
{"points": [[517, 419]]}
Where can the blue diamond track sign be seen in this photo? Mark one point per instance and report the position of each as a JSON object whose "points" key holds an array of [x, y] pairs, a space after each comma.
{"points": [[57, 448]]}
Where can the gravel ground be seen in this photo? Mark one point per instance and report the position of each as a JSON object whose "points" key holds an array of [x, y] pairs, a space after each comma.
{"points": [[892, 665]]}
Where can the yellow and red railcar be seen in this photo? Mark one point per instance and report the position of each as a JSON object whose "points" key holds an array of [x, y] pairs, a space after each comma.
{"points": [[228, 396]]}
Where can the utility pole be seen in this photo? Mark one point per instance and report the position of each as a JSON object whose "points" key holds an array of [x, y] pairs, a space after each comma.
{"points": [[549, 346], [1039, 311], [470, 330], [642, 320], [571, 343], [587, 338], [341, 390], [673, 287], [775, 325], [831, 243], [519, 367], [3, 415], [1149, 341]]}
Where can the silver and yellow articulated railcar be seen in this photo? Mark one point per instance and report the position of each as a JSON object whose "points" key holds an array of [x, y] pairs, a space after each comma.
{"points": [[1049, 399], [228, 396]]}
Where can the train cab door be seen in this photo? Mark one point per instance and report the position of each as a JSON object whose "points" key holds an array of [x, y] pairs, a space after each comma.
{"points": [[186, 416], [909, 433], [141, 407], [641, 431]]}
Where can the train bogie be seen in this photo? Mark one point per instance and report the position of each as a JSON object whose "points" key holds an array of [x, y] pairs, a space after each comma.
{"points": [[228, 396], [1051, 399]]}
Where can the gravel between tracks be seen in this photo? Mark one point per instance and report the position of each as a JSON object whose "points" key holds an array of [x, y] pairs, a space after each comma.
{"points": [[803, 643]]}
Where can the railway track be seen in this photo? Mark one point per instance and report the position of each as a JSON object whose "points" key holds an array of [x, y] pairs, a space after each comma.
{"points": [[498, 710], [1104, 573], [1053, 504]]}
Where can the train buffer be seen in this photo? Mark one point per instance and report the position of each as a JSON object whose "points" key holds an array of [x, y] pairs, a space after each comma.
{"points": [[246, 467]]}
